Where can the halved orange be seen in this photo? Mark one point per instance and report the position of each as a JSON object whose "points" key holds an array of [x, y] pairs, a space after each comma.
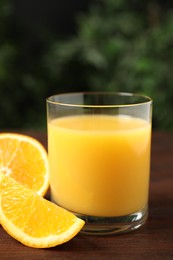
{"points": [[33, 220], [25, 159]]}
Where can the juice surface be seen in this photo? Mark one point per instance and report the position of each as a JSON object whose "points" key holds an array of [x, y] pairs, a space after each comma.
{"points": [[99, 164]]}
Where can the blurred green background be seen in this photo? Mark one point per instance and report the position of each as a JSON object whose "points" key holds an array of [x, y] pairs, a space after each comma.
{"points": [[48, 47]]}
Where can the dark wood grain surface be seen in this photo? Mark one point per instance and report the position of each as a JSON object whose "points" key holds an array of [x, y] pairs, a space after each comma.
{"points": [[152, 241]]}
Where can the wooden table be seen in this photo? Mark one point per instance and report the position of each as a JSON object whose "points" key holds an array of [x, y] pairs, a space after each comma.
{"points": [[152, 241]]}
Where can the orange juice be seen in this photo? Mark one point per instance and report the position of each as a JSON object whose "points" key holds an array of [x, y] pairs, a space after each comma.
{"points": [[99, 164]]}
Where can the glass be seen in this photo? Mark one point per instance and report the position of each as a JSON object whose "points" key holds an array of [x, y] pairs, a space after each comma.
{"points": [[99, 157]]}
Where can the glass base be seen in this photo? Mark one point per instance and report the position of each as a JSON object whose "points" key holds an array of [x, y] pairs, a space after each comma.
{"points": [[113, 225]]}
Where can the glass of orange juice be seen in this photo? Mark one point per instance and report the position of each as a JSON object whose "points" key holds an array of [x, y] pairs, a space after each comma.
{"points": [[99, 158]]}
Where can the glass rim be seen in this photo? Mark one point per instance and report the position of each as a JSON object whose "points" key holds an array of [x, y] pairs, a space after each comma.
{"points": [[146, 99]]}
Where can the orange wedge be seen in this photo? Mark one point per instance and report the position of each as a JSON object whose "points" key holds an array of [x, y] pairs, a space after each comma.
{"points": [[33, 220], [24, 159]]}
